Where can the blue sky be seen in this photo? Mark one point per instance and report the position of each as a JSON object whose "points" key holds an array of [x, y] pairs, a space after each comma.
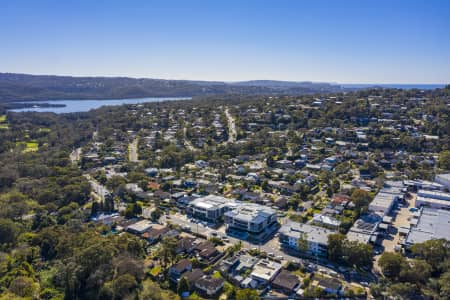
{"points": [[379, 41]]}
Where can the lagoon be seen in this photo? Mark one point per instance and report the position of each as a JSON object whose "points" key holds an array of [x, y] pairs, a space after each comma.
{"points": [[71, 106]]}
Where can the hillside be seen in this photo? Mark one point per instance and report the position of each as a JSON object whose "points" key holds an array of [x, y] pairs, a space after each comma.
{"points": [[23, 87]]}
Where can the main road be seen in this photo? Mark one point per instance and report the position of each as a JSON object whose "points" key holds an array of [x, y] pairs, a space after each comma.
{"points": [[232, 135], [133, 153]]}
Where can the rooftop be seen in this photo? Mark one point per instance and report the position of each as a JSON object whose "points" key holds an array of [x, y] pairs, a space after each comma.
{"points": [[212, 202], [251, 212], [286, 280], [140, 226], [433, 195], [326, 220], [444, 176], [266, 269], [432, 224], [313, 233]]}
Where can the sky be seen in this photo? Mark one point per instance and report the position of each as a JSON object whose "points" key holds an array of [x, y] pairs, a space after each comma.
{"points": [[360, 41]]}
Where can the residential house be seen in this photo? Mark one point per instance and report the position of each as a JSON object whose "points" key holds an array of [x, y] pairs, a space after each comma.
{"points": [[179, 269], [209, 285], [285, 282]]}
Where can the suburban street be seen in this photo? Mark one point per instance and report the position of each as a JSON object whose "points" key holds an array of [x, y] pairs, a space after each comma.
{"points": [[231, 127], [98, 190], [272, 246], [133, 153], [187, 143]]}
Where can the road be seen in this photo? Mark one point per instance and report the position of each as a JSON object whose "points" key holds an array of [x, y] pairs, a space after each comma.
{"points": [[271, 246], [187, 143], [133, 153], [231, 127], [98, 190], [75, 155]]}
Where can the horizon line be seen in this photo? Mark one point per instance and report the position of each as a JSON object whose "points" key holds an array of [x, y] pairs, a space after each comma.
{"points": [[231, 81]]}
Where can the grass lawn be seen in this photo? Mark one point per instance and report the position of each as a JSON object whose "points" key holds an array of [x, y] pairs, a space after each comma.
{"points": [[29, 146], [299, 274], [216, 274], [4, 126], [2, 118], [155, 271], [356, 289], [44, 130]]}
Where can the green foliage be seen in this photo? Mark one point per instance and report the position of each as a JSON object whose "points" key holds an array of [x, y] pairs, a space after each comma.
{"points": [[9, 231], [403, 290], [360, 198], [433, 252], [183, 286], [426, 274], [247, 294], [313, 292], [123, 286], [350, 252], [152, 291], [391, 264], [167, 250], [335, 246], [216, 241], [133, 210], [302, 243], [156, 214], [444, 160]]}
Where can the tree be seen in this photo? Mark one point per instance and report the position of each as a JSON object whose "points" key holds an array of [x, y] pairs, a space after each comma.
{"points": [[183, 286], [14, 205], [433, 251], [358, 254], [403, 290], [336, 186], [415, 271], [24, 287], [391, 264], [95, 208], [109, 204], [302, 242], [123, 286], [335, 245], [167, 250], [444, 160], [444, 283], [247, 294], [8, 231], [329, 191], [133, 210], [360, 198], [313, 292], [156, 214]]}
